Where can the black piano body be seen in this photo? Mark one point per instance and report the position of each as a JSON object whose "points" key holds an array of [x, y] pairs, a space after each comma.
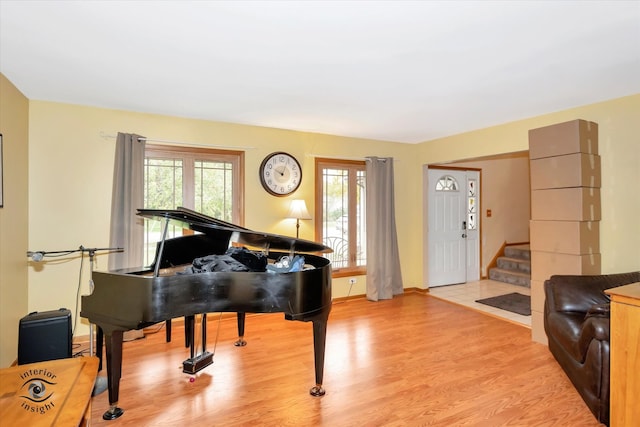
{"points": [[136, 298]]}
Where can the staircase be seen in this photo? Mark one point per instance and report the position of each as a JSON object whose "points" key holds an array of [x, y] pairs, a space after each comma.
{"points": [[514, 267]]}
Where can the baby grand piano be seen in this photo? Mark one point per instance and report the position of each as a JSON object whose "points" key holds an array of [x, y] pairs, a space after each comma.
{"points": [[129, 299]]}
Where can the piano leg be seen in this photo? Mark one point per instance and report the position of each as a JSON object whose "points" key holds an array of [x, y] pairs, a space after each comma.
{"points": [[168, 330], [99, 342], [114, 372], [319, 340], [241, 342]]}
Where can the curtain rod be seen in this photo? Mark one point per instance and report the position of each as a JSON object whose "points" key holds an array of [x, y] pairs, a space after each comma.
{"points": [[104, 135], [380, 159], [360, 159]]}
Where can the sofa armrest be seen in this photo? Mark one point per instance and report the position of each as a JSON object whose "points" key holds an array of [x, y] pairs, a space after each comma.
{"points": [[599, 310], [593, 328]]}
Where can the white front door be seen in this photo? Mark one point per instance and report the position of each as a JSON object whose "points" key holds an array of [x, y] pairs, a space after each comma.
{"points": [[452, 226]]}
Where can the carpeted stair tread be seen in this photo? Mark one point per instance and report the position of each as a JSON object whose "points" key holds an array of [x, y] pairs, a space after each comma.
{"points": [[518, 264], [518, 251], [510, 276]]}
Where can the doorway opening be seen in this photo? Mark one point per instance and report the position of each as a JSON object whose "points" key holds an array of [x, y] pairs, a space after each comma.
{"points": [[453, 226], [502, 208]]}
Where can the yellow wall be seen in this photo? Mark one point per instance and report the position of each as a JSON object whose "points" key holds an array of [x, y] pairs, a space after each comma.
{"points": [[71, 169], [619, 148], [14, 122]]}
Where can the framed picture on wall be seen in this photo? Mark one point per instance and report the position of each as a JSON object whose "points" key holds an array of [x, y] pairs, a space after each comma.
{"points": [[1, 175]]}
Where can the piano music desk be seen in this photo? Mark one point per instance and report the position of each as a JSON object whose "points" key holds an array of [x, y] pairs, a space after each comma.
{"points": [[52, 393]]}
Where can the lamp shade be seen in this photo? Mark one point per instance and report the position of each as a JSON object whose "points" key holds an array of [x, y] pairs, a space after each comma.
{"points": [[298, 210]]}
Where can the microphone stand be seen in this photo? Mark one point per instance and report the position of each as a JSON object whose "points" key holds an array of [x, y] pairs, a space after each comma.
{"points": [[92, 253], [39, 255]]}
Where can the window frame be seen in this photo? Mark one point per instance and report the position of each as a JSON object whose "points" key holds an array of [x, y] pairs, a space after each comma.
{"points": [[191, 154], [352, 166], [188, 156]]}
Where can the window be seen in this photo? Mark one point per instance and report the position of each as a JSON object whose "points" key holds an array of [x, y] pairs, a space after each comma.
{"points": [[340, 213], [205, 180], [447, 183], [471, 203]]}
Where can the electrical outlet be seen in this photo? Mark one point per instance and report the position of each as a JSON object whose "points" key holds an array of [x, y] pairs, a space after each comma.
{"points": [[352, 281]]}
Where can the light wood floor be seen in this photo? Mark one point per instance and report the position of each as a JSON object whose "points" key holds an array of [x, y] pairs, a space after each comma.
{"points": [[414, 360]]}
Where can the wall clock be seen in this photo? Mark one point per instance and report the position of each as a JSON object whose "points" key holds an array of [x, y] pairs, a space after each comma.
{"points": [[280, 174]]}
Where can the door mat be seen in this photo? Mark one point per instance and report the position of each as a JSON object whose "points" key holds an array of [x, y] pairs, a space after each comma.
{"points": [[513, 302]]}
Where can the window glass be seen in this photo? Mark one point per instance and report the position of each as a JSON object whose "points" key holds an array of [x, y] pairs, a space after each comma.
{"points": [[341, 213]]}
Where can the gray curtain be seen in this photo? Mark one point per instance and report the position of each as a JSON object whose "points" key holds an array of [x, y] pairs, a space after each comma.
{"points": [[384, 278], [127, 229]]}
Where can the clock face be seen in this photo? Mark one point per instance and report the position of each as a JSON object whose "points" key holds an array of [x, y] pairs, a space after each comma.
{"points": [[280, 174]]}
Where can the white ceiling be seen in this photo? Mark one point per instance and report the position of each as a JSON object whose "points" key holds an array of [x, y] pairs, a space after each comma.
{"points": [[405, 71]]}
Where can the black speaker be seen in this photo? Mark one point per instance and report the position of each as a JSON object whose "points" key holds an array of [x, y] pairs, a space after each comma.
{"points": [[44, 335]]}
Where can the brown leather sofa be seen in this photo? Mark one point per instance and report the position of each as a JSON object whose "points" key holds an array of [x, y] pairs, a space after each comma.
{"points": [[576, 321]]}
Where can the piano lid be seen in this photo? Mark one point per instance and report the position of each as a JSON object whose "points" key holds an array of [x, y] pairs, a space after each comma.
{"points": [[187, 218]]}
